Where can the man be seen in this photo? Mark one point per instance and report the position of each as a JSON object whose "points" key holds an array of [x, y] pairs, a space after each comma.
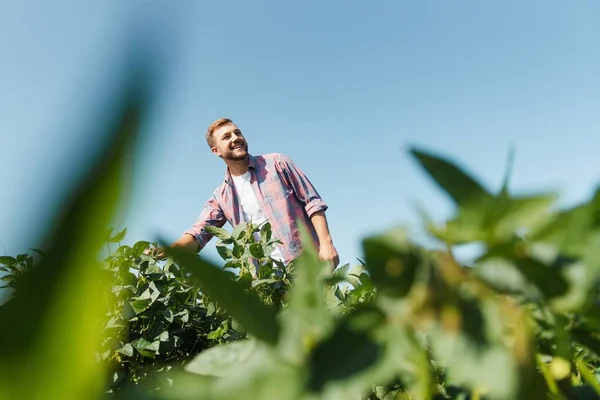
{"points": [[261, 188]]}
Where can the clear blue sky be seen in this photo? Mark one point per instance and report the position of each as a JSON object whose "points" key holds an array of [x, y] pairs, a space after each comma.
{"points": [[343, 88]]}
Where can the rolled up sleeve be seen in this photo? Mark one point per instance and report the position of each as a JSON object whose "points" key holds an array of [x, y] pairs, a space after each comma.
{"points": [[212, 215], [303, 188]]}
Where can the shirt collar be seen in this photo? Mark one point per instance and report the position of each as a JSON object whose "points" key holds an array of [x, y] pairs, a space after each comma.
{"points": [[251, 165]]}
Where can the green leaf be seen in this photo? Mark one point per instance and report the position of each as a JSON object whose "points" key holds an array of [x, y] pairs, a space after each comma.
{"points": [[238, 250], [4, 269], [8, 260], [222, 360], [257, 282], [569, 230], [220, 233], [146, 348], [348, 351], [549, 280], [266, 232], [233, 264], [225, 252], [61, 295], [42, 253], [238, 231], [118, 237], [509, 215], [256, 250], [256, 318], [107, 234], [306, 319], [393, 262], [139, 247], [168, 315], [126, 350], [461, 187]]}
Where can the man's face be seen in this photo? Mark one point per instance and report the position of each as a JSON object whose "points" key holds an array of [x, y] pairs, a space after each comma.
{"points": [[230, 144]]}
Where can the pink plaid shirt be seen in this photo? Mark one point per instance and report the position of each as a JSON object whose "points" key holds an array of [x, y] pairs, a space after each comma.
{"points": [[285, 195]]}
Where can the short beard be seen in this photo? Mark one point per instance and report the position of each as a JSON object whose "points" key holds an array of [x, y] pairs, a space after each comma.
{"points": [[232, 157]]}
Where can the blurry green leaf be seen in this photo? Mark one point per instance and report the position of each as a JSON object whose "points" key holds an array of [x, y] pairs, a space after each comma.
{"points": [[256, 318], [393, 262], [220, 360], [7, 260], [505, 277], [257, 282], [509, 215], [589, 377], [461, 187], [42, 253], [570, 230], [50, 353], [118, 237], [548, 280], [306, 319], [348, 351]]}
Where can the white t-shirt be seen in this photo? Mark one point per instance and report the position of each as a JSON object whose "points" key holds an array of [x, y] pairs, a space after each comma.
{"points": [[251, 207]]}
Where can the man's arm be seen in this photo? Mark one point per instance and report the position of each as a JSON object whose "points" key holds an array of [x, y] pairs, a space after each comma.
{"points": [[186, 242], [195, 238], [314, 206], [327, 251]]}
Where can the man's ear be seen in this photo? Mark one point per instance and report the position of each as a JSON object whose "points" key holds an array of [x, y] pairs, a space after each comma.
{"points": [[215, 151]]}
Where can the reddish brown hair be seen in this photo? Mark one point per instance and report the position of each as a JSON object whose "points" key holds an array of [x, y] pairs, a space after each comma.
{"points": [[213, 127]]}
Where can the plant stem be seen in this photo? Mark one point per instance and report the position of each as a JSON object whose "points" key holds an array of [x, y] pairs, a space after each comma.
{"points": [[547, 376]]}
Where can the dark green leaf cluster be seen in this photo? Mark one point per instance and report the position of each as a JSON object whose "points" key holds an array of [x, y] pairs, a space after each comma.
{"points": [[157, 319]]}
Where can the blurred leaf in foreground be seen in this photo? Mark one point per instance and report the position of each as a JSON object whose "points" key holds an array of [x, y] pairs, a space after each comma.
{"points": [[50, 332]]}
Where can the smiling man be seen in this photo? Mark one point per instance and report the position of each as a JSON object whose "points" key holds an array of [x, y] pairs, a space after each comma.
{"points": [[268, 187]]}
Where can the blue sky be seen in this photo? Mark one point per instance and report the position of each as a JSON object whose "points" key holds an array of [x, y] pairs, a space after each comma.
{"points": [[343, 88]]}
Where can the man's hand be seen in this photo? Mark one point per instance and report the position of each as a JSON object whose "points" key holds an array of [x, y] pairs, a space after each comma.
{"points": [[327, 252], [157, 252]]}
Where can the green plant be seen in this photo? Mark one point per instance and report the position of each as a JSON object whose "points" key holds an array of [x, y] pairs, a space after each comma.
{"points": [[155, 320]]}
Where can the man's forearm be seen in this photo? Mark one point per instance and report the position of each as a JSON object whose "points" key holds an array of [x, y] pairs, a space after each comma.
{"points": [[319, 221], [187, 242], [327, 250]]}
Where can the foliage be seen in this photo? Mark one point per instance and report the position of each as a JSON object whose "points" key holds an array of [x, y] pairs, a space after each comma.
{"points": [[155, 319], [520, 321]]}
